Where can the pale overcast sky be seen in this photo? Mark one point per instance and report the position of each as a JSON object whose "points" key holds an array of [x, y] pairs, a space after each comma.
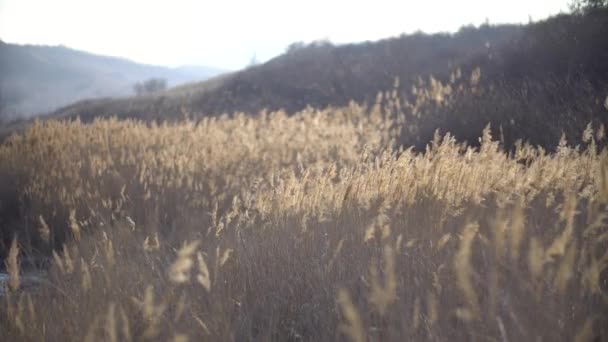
{"points": [[227, 33]]}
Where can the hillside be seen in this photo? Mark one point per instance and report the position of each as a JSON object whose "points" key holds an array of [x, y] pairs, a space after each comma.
{"points": [[39, 79], [318, 74], [540, 72]]}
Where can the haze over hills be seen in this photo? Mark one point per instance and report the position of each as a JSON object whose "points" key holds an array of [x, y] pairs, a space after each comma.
{"points": [[540, 72], [38, 79]]}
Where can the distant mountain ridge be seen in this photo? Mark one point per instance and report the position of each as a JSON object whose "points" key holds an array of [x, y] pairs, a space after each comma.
{"points": [[39, 79]]}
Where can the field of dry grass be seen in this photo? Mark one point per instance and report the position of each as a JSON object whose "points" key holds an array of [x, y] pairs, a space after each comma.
{"points": [[311, 227]]}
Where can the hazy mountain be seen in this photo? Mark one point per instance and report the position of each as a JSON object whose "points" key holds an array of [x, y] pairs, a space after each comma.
{"points": [[38, 79]]}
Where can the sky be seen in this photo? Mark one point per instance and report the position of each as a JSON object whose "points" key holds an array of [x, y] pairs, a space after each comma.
{"points": [[228, 33]]}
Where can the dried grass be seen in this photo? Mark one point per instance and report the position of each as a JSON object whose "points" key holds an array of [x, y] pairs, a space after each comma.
{"points": [[307, 227]]}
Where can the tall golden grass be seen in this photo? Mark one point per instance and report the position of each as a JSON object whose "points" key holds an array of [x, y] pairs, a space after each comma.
{"points": [[313, 227]]}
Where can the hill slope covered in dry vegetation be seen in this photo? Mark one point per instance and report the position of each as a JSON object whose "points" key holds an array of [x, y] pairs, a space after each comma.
{"points": [[533, 77], [350, 222]]}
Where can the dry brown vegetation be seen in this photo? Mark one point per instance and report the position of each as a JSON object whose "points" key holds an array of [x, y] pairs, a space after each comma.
{"points": [[316, 227]]}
